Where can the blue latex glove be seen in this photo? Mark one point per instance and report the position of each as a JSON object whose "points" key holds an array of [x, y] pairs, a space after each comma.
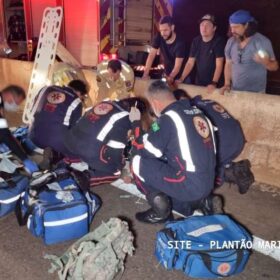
{"points": [[21, 131], [28, 144], [4, 148], [30, 166]]}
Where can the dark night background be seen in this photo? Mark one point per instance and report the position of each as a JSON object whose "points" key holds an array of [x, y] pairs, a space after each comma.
{"points": [[186, 14]]}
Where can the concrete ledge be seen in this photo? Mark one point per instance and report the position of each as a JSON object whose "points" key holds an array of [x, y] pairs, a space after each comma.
{"points": [[259, 115]]}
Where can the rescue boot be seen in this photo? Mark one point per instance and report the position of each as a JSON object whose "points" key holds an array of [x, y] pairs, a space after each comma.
{"points": [[160, 211], [211, 205], [240, 174]]}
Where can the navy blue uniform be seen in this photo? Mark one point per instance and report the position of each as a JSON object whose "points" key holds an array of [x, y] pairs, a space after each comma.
{"points": [[178, 155], [99, 139], [6, 136], [58, 110], [229, 135]]}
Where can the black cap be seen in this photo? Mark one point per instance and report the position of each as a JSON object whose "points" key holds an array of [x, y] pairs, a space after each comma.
{"points": [[208, 17]]}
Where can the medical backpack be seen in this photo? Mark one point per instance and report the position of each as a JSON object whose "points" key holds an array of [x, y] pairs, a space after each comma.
{"points": [[99, 255], [204, 246], [12, 187], [56, 208]]}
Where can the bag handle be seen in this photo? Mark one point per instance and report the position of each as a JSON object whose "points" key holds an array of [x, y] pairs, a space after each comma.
{"points": [[22, 219], [206, 258]]}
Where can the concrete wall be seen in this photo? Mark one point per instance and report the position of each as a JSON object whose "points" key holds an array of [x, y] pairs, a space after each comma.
{"points": [[258, 114]]}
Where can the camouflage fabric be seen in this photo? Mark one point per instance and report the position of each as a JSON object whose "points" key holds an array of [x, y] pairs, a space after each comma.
{"points": [[99, 255]]}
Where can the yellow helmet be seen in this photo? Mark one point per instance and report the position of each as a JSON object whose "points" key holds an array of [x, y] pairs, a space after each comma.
{"points": [[63, 73]]}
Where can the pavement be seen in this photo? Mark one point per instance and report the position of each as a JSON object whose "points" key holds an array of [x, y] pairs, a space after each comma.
{"points": [[21, 254]]}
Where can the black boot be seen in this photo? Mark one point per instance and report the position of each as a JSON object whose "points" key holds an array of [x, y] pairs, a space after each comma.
{"points": [[211, 205], [240, 174], [160, 211]]}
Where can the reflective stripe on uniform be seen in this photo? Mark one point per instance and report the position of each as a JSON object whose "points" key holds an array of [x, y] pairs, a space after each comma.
{"points": [[70, 110], [109, 125], [3, 123], [150, 147], [183, 140], [115, 144], [212, 128], [136, 167]]}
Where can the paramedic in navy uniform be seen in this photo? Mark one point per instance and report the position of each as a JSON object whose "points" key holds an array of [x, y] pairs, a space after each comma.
{"points": [[99, 138], [10, 99], [174, 164], [230, 141], [58, 110]]}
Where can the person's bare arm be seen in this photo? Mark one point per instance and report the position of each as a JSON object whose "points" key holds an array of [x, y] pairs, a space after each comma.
{"points": [[149, 62], [267, 62], [217, 74], [227, 73], [177, 67], [187, 70]]}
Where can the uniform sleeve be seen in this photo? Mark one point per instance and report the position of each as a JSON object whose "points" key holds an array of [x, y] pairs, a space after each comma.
{"points": [[116, 141], [7, 138], [155, 142], [156, 41], [228, 49], [73, 113], [118, 136], [219, 48], [76, 114], [181, 50]]}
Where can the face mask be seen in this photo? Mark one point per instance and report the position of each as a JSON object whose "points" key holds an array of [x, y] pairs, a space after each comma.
{"points": [[10, 107]]}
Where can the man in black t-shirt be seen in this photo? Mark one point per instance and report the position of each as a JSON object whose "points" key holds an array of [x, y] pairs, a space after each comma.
{"points": [[172, 48], [207, 53]]}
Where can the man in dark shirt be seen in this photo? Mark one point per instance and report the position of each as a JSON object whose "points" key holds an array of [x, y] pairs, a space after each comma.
{"points": [[172, 48], [10, 99], [207, 53]]}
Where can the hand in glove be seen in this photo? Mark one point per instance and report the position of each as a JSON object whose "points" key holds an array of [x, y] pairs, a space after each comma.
{"points": [[134, 114], [30, 166]]}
